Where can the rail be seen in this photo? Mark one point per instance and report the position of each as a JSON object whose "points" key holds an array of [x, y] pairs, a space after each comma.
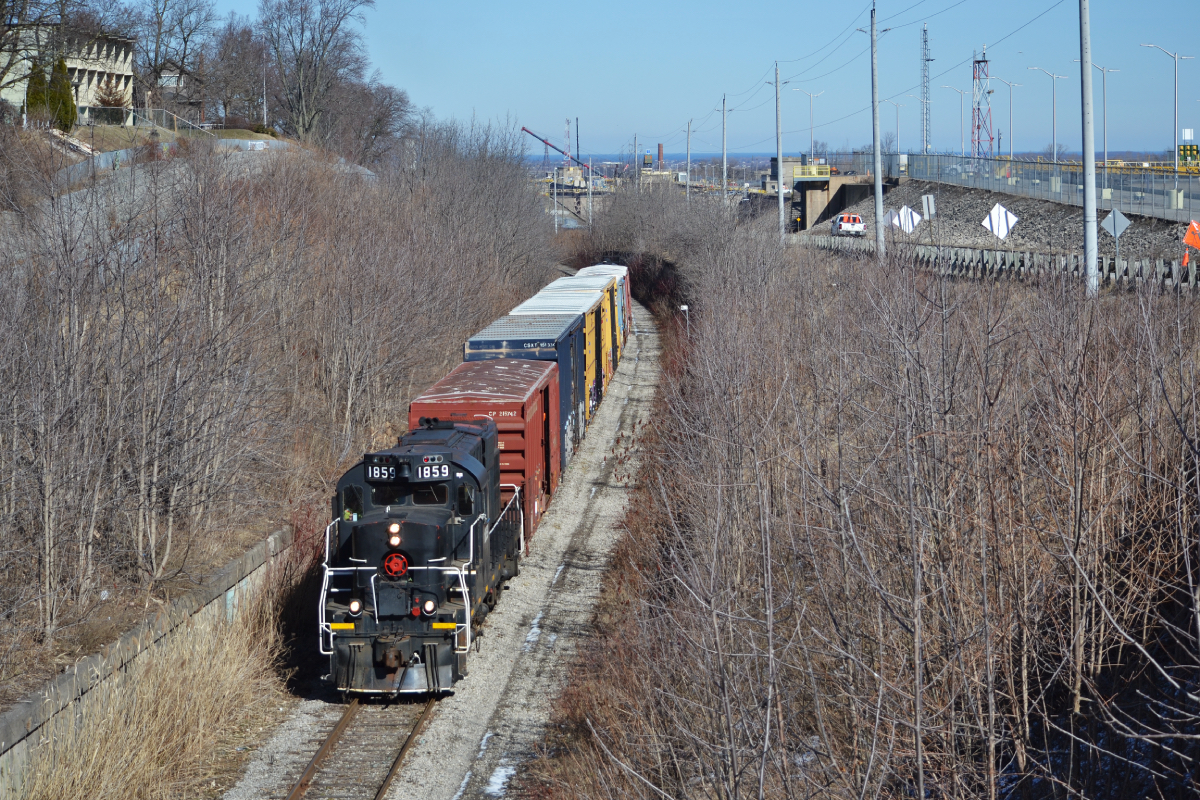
{"points": [[301, 787]]}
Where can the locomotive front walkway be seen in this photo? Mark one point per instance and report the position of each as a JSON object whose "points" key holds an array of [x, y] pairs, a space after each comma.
{"points": [[497, 715]]}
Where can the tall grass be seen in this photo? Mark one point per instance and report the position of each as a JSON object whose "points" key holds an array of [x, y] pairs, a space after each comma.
{"points": [[150, 731]]}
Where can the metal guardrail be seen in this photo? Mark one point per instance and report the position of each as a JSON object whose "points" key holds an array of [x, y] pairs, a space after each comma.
{"points": [[810, 171], [970, 262]]}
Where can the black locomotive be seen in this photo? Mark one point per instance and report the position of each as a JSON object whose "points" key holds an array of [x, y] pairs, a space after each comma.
{"points": [[415, 558]]}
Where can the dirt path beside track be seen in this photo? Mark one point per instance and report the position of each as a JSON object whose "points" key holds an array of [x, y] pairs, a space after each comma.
{"points": [[497, 715]]}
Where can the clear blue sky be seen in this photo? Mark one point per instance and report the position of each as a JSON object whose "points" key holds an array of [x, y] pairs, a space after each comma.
{"points": [[644, 67]]}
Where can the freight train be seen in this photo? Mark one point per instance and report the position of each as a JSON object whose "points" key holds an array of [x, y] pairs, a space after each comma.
{"points": [[425, 534]]}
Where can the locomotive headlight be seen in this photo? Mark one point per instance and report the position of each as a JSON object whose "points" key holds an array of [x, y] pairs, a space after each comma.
{"points": [[355, 607], [429, 607], [394, 528], [394, 540]]}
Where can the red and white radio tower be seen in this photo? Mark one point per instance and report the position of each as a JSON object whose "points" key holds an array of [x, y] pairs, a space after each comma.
{"points": [[981, 109]]}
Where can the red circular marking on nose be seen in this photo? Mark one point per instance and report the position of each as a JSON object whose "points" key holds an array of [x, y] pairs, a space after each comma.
{"points": [[395, 565]]}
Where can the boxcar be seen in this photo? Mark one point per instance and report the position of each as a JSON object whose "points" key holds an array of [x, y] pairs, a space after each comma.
{"points": [[624, 292], [552, 337], [607, 285], [590, 305]]}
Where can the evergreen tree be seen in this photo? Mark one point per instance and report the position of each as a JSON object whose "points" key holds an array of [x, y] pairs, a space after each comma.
{"points": [[36, 98], [62, 98]]}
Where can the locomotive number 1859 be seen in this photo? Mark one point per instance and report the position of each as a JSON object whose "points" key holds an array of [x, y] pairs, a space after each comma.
{"points": [[433, 471], [381, 472]]}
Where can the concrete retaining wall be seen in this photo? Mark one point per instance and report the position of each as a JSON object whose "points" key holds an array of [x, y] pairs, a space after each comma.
{"points": [[21, 725], [973, 263]]}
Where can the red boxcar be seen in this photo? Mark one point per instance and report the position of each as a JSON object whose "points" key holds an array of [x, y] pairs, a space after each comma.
{"points": [[522, 397]]}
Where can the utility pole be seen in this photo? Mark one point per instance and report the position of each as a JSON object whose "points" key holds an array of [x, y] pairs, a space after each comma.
{"points": [[264, 87], [577, 151], [589, 184], [687, 186], [637, 166], [554, 199], [724, 156], [879, 245], [779, 158], [1175, 56], [1089, 150]]}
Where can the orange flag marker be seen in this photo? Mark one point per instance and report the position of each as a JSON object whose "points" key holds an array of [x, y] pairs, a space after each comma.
{"points": [[1192, 236]]}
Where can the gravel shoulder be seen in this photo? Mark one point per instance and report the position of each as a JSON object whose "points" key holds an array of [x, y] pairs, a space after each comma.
{"points": [[1043, 226], [496, 717]]}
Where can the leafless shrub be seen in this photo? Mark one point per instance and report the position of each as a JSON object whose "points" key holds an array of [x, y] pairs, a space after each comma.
{"points": [[901, 536], [194, 347]]}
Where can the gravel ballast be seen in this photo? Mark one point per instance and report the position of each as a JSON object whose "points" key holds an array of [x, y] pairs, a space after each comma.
{"points": [[496, 717]]}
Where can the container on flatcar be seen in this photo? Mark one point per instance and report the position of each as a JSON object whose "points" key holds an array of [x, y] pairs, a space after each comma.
{"points": [[624, 291], [522, 397], [590, 305], [606, 284], [551, 337]]}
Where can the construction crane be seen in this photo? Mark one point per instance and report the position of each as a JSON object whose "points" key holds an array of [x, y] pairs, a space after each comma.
{"points": [[546, 142]]}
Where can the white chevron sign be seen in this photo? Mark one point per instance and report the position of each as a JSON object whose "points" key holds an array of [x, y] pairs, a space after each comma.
{"points": [[1000, 221]]}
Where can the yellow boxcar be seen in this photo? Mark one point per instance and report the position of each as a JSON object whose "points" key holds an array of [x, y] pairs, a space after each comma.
{"points": [[624, 299], [612, 339], [597, 340]]}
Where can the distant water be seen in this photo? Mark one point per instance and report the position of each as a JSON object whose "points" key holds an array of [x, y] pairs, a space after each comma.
{"points": [[556, 159]]}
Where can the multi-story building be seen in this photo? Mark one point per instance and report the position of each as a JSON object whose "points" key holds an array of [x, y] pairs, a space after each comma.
{"points": [[93, 61]]}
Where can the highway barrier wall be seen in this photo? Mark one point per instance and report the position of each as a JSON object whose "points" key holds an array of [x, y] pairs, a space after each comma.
{"points": [[115, 159], [974, 263], [22, 727]]}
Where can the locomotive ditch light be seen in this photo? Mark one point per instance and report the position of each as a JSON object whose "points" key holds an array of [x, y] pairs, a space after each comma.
{"points": [[355, 607], [429, 606]]}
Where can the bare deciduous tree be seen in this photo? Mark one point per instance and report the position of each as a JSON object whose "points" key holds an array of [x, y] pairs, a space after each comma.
{"points": [[316, 48]]}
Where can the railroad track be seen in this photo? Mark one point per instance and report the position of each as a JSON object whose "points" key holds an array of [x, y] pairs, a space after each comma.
{"points": [[362, 754]]}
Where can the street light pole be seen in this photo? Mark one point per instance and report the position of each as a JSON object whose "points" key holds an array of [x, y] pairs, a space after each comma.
{"points": [[962, 134], [1010, 124], [1175, 56], [1053, 109], [898, 107], [1104, 104], [812, 152]]}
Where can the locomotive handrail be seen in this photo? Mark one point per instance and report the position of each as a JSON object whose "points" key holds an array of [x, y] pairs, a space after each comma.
{"points": [[520, 510], [323, 627], [466, 596]]}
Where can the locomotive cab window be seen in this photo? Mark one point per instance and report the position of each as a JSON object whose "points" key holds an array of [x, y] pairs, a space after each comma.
{"points": [[390, 494], [466, 500], [430, 494], [352, 502]]}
